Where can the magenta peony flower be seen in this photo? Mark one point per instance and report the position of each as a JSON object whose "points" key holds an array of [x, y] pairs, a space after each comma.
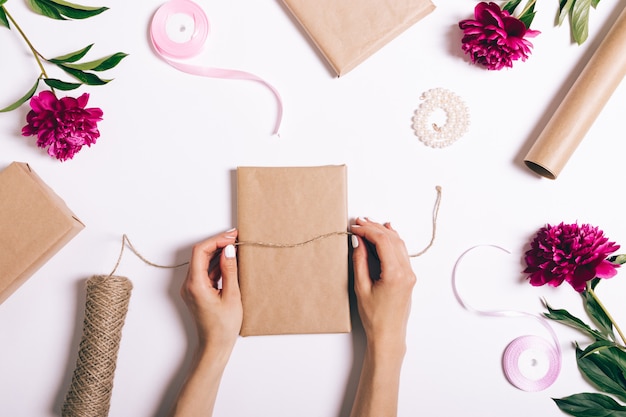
{"points": [[63, 126], [571, 253], [494, 38]]}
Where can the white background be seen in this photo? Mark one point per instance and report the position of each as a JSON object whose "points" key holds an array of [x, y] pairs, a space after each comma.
{"points": [[162, 173]]}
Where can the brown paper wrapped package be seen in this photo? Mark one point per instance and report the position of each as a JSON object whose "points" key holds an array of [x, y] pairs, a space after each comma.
{"points": [[582, 104], [293, 290], [34, 225], [348, 31]]}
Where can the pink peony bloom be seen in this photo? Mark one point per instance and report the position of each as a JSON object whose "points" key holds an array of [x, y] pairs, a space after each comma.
{"points": [[63, 126], [494, 38], [571, 253]]}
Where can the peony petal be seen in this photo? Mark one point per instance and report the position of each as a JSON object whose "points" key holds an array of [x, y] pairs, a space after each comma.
{"points": [[82, 100], [606, 270], [44, 101]]}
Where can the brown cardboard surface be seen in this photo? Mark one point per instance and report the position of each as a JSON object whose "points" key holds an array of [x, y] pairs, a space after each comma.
{"points": [[349, 31], [582, 104], [293, 290], [35, 224]]}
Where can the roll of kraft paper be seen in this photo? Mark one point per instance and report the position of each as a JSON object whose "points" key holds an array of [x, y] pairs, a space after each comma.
{"points": [[106, 306], [582, 104]]}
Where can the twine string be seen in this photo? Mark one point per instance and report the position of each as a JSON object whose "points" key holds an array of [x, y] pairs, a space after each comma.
{"points": [[291, 245], [434, 225], [91, 387], [126, 241]]}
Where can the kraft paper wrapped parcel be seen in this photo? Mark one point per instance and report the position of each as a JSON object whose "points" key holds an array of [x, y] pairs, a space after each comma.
{"points": [[347, 32], [35, 223], [295, 289]]}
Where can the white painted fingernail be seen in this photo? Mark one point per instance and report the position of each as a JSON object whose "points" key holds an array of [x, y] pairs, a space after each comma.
{"points": [[229, 251], [355, 241]]}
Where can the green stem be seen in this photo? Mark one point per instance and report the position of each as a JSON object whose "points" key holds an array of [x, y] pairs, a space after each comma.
{"points": [[36, 54], [595, 297]]}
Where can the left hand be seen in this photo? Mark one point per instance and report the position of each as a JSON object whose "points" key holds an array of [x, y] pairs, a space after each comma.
{"points": [[218, 313]]}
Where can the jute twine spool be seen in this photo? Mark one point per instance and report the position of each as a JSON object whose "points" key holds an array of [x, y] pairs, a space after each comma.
{"points": [[106, 306]]}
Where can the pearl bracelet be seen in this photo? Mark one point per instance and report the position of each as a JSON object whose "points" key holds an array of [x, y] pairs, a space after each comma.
{"points": [[456, 118]]}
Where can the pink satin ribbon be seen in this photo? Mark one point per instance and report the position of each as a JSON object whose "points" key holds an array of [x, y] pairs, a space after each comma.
{"points": [[168, 48], [516, 348]]}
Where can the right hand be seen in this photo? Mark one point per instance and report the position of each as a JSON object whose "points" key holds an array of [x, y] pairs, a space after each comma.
{"points": [[384, 301]]}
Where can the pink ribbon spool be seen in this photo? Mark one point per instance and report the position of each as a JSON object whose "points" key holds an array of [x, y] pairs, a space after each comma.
{"points": [[169, 48], [513, 366], [534, 349]]}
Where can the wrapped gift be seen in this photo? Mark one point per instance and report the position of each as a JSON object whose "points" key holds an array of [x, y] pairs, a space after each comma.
{"points": [[35, 224], [293, 249], [348, 31]]}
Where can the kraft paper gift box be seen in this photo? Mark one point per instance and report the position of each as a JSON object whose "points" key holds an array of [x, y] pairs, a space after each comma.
{"points": [[35, 223], [347, 32], [287, 286]]}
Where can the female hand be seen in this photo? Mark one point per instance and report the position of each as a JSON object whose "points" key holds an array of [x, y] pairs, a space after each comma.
{"points": [[384, 293], [217, 312], [383, 283]]}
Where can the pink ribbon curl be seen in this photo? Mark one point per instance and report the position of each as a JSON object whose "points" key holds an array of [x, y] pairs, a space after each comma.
{"points": [[169, 49], [523, 344]]}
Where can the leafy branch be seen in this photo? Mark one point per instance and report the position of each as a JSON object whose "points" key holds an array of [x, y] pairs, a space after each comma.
{"points": [[82, 73], [602, 363]]}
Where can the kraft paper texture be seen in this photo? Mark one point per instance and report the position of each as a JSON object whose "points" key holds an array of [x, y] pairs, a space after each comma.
{"points": [[35, 224], [582, 104], [348, 31], [293, 290]]}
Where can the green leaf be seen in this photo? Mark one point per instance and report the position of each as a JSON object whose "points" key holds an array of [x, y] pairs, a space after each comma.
{"points": [[72, 56], [75, 11], [101, 64], [580, 20], [59, 9], [23, 99], [61, 85], [4, 21], [44, 9], [590, 405], [84, 77], [597, 314], [603, 364], [566, 318], [564, 10], [600, 344]]}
